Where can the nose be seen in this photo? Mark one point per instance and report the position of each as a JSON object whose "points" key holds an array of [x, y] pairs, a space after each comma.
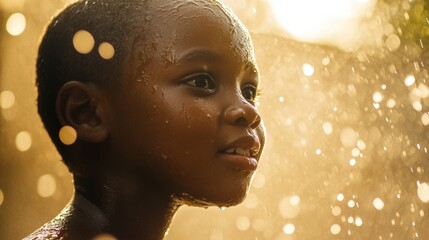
{"points": [[244, 114]]}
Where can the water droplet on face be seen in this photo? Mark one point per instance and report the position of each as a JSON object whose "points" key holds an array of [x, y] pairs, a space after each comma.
{"points": [[83, 42]]}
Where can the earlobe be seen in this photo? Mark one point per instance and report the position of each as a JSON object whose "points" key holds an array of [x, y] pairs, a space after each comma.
{"points": [[79, 105]]}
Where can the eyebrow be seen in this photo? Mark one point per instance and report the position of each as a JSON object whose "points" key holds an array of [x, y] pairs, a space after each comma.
{"points": [[200, 55]]}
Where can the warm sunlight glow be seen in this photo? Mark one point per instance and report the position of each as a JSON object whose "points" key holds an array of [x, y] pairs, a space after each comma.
{"points": [[330, 21], [16, 24]]}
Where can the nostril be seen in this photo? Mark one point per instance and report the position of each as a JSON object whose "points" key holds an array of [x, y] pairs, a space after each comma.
{"points": [[256, 122], [242, 121]]}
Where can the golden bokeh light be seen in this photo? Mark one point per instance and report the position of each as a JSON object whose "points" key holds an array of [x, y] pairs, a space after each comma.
{"points": [[23, 141], [289, 229], [83, 42], [67, 135], [242, 223], [7, 99], [16, 24], [378, 204], [393, 42], [288, 209], [106, 50], [46, 186], [423, 192], [331, 21], [336, 211], [349, 137], [105, 237], [1, 197], [308, 69], [335, 229]]}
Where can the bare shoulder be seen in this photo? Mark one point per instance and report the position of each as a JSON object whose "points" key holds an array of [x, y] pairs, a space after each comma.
{"points": [[55, 229]]}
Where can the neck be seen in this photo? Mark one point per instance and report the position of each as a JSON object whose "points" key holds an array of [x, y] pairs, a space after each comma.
{"points": [[133, 210]]}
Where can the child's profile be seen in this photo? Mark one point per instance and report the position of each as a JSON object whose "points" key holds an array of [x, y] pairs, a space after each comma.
{"points": [[152, 106]]}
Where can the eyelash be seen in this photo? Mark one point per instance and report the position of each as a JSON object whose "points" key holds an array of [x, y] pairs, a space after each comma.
{"points": [[256, 93], [210, 86]]}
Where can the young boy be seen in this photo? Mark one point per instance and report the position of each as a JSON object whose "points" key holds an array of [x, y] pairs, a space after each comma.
{"points": [[151, 103]]}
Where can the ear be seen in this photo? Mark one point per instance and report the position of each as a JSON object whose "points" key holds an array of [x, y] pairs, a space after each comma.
{"points": [[79, 105]]}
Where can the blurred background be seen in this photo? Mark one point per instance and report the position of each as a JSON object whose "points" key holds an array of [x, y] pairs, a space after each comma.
{"points": [[345, 103]]}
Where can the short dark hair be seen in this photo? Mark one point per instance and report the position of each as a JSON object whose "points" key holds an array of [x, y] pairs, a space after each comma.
{"points": [[114, 21]]}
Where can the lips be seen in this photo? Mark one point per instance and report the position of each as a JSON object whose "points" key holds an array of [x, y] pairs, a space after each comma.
{"points": [[241, 153]]}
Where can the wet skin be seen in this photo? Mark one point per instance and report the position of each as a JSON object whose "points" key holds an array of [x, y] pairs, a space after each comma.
{"points": [[194, 100], [160, 140]]}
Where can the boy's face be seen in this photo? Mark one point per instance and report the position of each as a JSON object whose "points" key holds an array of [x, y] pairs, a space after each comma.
{"points": [[187, 102]]}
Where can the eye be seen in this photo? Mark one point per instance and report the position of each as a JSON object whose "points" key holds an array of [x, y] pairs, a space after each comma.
{"points": [[249, 92], [202, 81]]}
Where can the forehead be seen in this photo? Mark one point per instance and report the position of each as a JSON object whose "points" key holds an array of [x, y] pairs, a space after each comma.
{"points": [[184, 24]]}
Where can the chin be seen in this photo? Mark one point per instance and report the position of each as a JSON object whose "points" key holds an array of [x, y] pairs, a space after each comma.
{"points": [[222, 197]]}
